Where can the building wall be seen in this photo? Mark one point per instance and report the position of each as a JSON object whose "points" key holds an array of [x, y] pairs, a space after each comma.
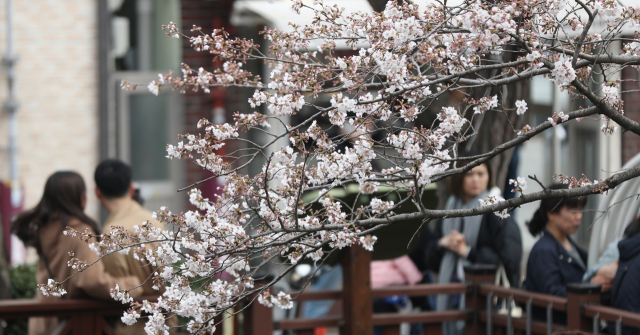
{"points": [[630, 87], [56, 83]]}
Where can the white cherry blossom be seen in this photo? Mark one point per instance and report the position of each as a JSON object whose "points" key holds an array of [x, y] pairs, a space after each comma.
{"points": [[521, 106]]}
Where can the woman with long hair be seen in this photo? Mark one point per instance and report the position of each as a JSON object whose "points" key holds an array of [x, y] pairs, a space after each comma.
{"points": [[62, 205], [555, 260], [482, 239]]}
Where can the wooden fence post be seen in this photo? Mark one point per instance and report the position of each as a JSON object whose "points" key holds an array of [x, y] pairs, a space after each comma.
{"points": [[579, 294], [356, 292], [476, 274], [86, 323], [258, 319], [220, 325]]}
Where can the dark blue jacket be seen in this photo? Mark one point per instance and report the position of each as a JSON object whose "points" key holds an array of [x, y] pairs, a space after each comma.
{"points": [[550, 268], [626, 285]]}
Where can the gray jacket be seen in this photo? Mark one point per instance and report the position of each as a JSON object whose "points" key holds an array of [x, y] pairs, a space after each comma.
{"points": [[611, 254]]}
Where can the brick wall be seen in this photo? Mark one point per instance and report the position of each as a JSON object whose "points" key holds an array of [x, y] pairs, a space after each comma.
{"points": [[631, 98], [55, 42]]}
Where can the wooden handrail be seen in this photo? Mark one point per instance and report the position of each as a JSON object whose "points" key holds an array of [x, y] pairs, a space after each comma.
{"points": [[411, 291], [300, 324], [537, 327], [317, 295], [24, 308], [420, 290], [84, 316], [379, 319], [420, 317], [522, 296], [12, 309], [384, 318], [612, 314]]}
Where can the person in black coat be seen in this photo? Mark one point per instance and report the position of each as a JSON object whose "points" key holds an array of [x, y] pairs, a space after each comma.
{"points": [[499, 242], [457, 242], [555, 260], [626, 286]]}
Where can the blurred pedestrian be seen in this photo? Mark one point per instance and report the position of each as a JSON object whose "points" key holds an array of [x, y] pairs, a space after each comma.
{"points": [[115, 192], [399, 271], [62, 205], [625, 293], [555, 260], [481, 239]]}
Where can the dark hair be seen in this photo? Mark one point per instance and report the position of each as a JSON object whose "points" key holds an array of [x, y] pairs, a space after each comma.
{"points": [[62, 200], [632, 229], [554, 205], [456, 181], [113, 178]]}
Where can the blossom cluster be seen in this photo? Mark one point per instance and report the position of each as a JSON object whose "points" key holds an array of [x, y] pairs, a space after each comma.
{"points": [[491, 200], [563, 72], [573, 182], [519, 184], [521, 106], [558, 117]]}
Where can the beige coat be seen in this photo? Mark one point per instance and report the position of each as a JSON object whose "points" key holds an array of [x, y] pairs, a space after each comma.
{"points": [[119, 265], [94, 282]]}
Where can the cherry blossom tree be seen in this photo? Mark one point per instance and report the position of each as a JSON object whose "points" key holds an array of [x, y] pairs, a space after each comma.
{"points": [[404, 58]]}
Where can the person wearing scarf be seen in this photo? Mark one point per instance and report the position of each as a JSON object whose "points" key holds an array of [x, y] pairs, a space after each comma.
{"points": [[482, 239]]}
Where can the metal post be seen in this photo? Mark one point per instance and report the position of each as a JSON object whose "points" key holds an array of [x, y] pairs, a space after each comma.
{"points": [[596, 324], [490, 313], [529, 304], [549, 319], [11, 107], [619, 326], [509, 318]]}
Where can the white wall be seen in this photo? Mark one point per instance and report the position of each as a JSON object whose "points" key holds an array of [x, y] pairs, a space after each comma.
{"points": [[55, 42]]}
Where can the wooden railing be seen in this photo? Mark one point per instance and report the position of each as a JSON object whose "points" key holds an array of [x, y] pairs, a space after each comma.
{"points": [[388, 321], [82, 316], [524, 298], [581, 307], [612, 315]]}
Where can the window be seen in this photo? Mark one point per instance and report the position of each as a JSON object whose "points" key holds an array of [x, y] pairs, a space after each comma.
{"points": [[141, 126]]}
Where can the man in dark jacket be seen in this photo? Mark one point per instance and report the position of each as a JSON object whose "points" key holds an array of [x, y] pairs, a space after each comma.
{"points": [[626, 286]]}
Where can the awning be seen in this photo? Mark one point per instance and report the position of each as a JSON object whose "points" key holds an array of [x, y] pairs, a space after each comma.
{"points": [[278, 14]]}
